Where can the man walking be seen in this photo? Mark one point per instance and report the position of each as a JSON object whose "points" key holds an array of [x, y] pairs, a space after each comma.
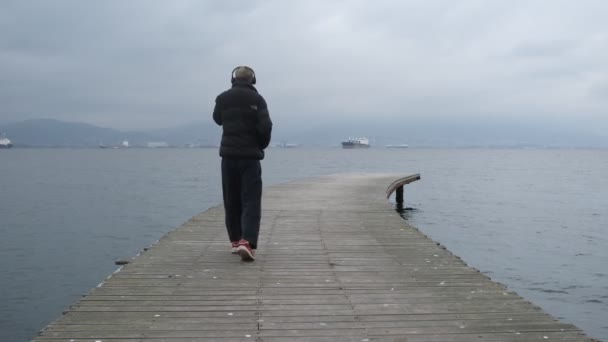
{"points": [[247, 127]]}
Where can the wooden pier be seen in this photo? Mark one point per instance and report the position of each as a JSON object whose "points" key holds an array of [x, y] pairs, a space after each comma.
{"points": [[335, 263]]}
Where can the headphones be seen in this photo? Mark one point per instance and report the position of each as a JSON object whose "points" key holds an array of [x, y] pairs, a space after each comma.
{"points": [[233, 79]]}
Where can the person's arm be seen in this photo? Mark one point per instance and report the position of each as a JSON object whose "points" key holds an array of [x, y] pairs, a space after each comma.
{"points": [[264, 124], [217, 112]]}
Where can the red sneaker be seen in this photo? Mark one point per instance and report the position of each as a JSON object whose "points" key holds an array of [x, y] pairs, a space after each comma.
{"points": [[245, 251], [235, 245]]}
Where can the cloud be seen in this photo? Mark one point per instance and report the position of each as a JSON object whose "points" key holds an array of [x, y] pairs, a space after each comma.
{"points": [[147, 64]]}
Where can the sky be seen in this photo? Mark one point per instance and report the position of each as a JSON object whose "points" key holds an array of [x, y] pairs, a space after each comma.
{"points": [[145, 64]]}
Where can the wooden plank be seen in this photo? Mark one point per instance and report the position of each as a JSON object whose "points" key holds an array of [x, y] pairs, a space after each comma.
{"points": [[335, 263]]}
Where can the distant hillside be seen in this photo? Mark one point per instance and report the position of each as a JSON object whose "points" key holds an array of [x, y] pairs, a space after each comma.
{"points": [[416, 133], [55, 133], [445, 133], [198, 133], [47, 132]]}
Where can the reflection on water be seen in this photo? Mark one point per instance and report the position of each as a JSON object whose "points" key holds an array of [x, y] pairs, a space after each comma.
{"points": [[404, 211]]}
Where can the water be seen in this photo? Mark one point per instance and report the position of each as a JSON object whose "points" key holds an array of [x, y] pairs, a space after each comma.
{"points": [[534, 220]]}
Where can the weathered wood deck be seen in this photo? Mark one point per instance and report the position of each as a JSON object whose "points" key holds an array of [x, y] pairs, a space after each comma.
{"points": [[335, 263]]}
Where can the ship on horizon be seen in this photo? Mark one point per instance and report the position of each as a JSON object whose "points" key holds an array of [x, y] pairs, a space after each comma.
{"points": [[351, 143], [124, 144], [285, 144], [5, 142]]}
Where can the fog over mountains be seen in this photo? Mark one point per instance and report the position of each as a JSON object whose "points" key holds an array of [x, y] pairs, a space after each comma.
{"points": [[423, 73], [415, 133], [55, 133]]}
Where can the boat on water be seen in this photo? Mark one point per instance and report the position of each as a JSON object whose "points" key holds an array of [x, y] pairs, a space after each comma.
{"points": [[286, 145], [356, 143], [397, 146], [124, 144], [5, 142]]}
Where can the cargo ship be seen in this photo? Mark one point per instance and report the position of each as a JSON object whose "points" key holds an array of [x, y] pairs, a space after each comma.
{"points": [[356, 143]]}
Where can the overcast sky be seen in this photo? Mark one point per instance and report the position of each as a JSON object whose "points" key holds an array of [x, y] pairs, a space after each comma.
{"points": [[150, 64]]}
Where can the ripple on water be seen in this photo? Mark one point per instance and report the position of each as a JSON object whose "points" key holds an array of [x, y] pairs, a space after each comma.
{"points": [[573, 287], [540, 289]]}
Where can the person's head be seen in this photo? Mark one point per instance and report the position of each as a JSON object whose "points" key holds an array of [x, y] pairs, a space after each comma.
{"points": [[243, 74]]}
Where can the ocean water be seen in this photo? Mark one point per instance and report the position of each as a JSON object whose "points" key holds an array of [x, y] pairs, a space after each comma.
{"points": [[534, 220]]}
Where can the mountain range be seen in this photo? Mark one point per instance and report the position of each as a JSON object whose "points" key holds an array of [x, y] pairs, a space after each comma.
{"points": [[55, 133], [416, 133]]}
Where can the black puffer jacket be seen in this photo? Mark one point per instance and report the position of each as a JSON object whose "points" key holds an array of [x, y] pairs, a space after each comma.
{"points": [[247, 126]]}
